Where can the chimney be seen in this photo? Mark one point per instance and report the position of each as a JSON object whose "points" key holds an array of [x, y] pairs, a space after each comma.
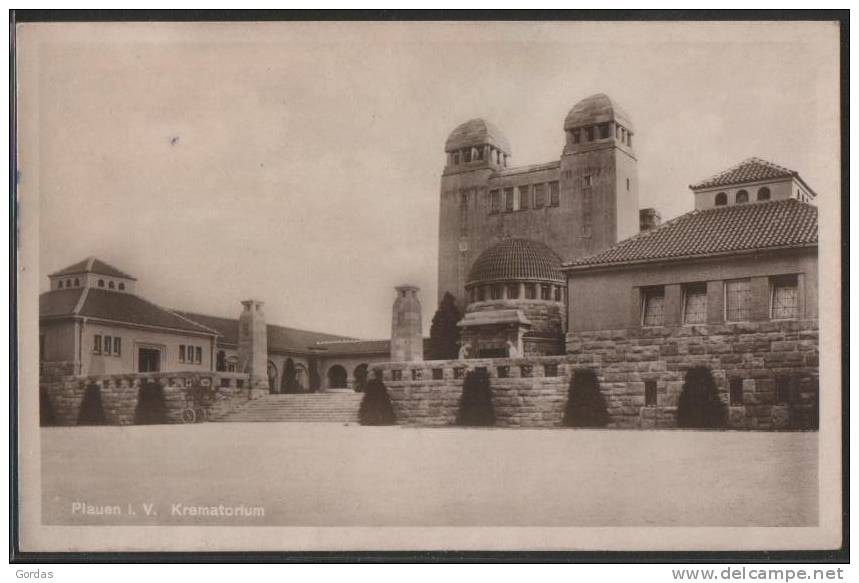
{"points": [[648, 219], [253, 346], [407, 339]]}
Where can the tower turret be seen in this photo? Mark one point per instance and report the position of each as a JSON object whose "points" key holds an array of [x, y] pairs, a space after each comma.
{"points": [[253, 345], [407, 341]]}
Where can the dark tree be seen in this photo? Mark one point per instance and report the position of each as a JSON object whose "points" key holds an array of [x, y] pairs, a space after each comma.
{"points": [[92, 410], [289, 382], [151, 407], [699, 405], [46, 409], [376, 407], [475, 405], [585, 402], [444, 335]]}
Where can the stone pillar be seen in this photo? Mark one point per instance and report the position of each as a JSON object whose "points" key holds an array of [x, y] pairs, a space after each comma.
{"points": [[253, 347], [407, 341]]}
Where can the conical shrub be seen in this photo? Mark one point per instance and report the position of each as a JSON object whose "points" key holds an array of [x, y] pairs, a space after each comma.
{"points": [[699, 406], [376, 407], [475, 404], [586, 405]]}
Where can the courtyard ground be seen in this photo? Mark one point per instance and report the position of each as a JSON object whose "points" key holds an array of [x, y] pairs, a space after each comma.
{"points": [[330, 475]]}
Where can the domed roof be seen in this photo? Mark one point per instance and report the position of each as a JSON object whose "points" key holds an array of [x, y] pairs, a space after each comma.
{"points": [[595, 109], [516, 259], [476, 132]]}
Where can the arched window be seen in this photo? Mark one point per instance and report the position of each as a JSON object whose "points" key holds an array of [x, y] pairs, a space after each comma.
{"points": [[77, 282], [763, 193], [111, 285], [60, 284], [121, 286], [742, 197], [721, 199], [101, 283]]}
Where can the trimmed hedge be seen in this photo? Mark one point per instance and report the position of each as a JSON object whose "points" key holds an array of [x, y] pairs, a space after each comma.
{"points": [[475, 404], [376, 407], [699, 406], [586, 405]]}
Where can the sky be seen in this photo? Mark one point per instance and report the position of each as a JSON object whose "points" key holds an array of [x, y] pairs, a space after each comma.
{"points": [[300, 163]]}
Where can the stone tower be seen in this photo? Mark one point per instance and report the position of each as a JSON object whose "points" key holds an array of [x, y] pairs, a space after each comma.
{"points": [[600, 174], [578, 205], [253, 345], [407, 340]]}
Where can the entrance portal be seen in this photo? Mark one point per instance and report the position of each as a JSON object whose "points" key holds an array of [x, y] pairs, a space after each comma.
{"points": [[148, 360], [337, 377]]}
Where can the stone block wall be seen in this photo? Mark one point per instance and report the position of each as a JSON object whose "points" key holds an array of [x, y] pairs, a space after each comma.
{"points": [[218, 393], [767, 360], [775, 364]]}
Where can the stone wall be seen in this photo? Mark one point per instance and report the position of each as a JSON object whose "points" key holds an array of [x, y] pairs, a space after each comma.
{"points": [[767, 360], [217, 393]]}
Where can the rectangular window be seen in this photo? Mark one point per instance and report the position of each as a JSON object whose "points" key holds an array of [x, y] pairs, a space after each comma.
{"points": [[785, 298], [117, 346], [181, 353], [526, 370], [417, 374], [96, 344], [588, 180], [627, 184], [455, 158], [509, 200], [603, 130], [496, 292], [466, 155], [503, 372], [437, 374], [738, 300], [459, 372], [558, 296], [481, 294], [545, 292], [479, 152], [108, 345], [495, 201], [736, 390], [577, 136], [530, 291], [695, 303], [650, 393], [550, 370], [524, 197], [396, 375], [590, 132], [653, 306], [554, 194], [539, 196], [513, 291], [463, 199], [198, 354]]}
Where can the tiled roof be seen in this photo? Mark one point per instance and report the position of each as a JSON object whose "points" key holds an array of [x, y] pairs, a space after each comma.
{"points": [[516, 260], [750, 170], [280, 338], [118, 307], [747, 227], [349, 347], [91, 264], [476, 132], [60, 302]]}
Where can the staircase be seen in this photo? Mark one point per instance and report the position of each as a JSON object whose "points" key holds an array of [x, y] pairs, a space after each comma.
{"points": [[332, 407]]}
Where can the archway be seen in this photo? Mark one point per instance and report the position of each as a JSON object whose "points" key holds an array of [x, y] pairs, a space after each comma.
{"points": [[337, 377], [302, 378], [360, 375], [151, 406], [91, 411]]}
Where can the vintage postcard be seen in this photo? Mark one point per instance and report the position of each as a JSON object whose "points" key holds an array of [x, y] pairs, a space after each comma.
{"points": [[293, 286]]}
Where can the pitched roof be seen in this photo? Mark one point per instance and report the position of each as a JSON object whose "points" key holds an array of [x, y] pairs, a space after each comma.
{"points": [[747, 227], [118, 307], [280, 338], [94, 265], [514, 260], [749, 170]]}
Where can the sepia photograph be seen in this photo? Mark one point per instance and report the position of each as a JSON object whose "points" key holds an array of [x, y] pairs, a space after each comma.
{"points": [[429, 285]]}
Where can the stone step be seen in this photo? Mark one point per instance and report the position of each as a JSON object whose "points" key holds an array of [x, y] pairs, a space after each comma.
{"points": [[303, 407]]}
